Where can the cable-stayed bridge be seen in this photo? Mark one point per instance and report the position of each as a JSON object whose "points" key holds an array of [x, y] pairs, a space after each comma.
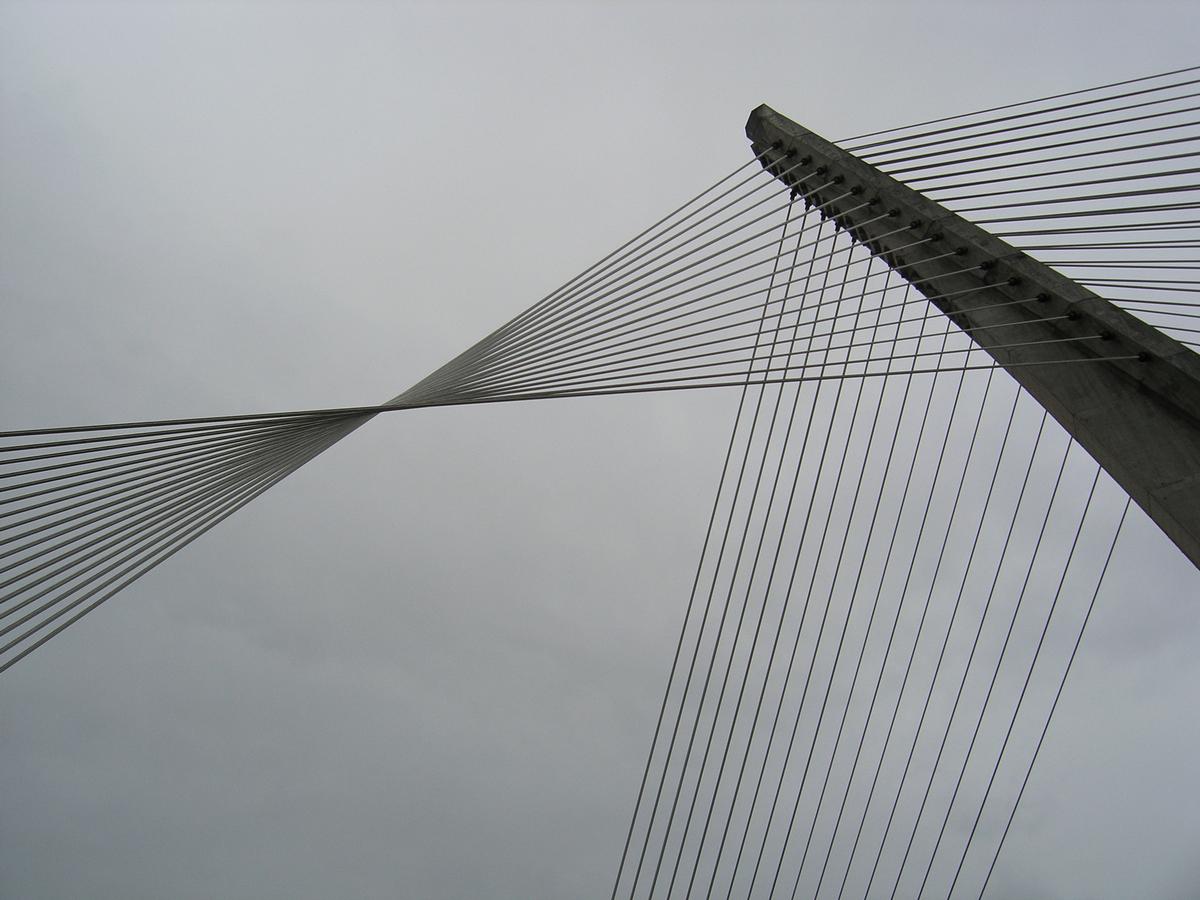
{"points": [[961, 349]]}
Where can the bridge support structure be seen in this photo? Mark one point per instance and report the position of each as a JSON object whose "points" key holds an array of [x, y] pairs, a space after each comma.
{"points": [[1127, 393]]}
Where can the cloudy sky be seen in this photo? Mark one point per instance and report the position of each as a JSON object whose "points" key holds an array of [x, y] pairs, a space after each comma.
{"points": [[428, 664]]}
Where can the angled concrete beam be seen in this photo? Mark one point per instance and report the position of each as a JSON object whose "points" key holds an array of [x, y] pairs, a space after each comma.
{"points": [[1129, 394]]}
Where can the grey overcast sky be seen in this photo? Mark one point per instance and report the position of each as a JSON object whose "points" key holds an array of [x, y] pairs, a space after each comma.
{"points": [[427, 665]]}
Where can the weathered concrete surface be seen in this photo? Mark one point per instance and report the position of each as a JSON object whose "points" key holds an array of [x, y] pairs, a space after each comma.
{"points": [[1137, 413]]}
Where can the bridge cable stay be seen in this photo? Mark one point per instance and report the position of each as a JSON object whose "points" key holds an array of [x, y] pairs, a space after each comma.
{"points": [[1055, 510], [690, 606], [74, 533], [1053, 706], [852, 143], [827, 514]]}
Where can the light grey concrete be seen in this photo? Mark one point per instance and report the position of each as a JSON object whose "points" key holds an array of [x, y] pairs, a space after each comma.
{"points": [[1137, 415]]}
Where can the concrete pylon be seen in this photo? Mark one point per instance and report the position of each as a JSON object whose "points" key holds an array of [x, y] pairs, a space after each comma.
{"points": [[1127, 393]]}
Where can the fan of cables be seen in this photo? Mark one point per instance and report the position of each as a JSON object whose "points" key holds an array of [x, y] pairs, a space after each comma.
{"points": [[749, 282], [86, 511], [1103, 184]]}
